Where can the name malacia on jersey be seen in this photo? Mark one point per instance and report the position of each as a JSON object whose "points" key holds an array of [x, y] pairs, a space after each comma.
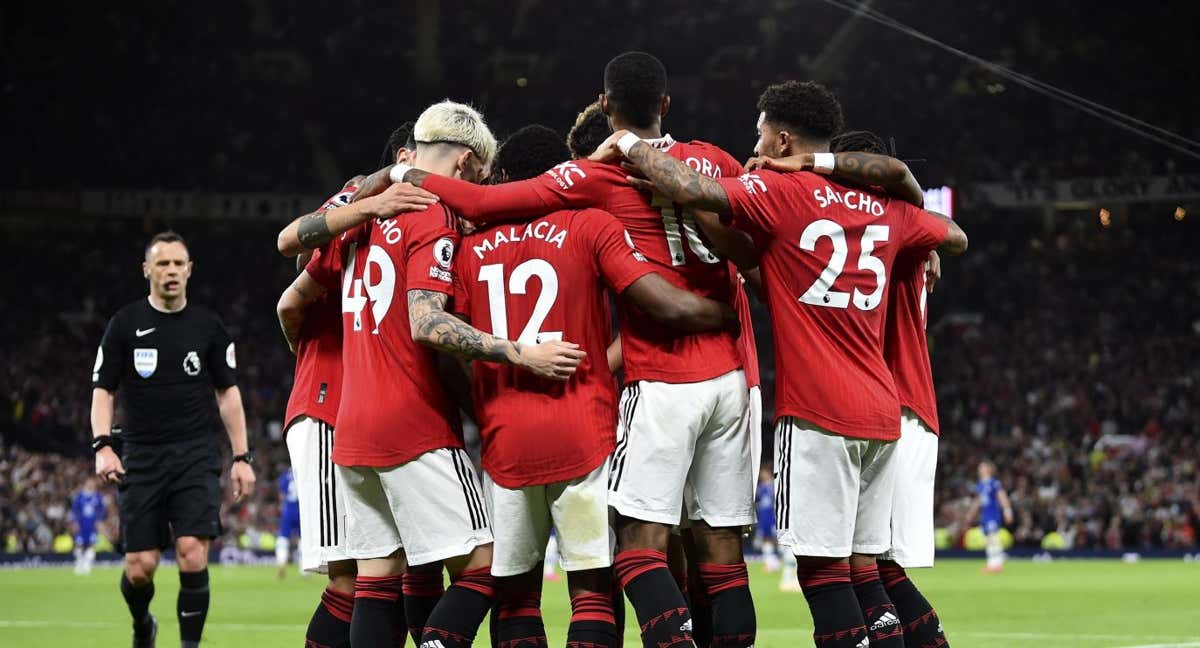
{"points": [[538, 230]]}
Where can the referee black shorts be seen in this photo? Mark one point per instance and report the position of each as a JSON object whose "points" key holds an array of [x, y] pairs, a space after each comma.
{"points": [[169, 489]]}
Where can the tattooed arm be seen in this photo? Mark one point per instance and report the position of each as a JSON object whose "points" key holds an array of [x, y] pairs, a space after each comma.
{"points": [[669, 177], [432, 326], [314, 230], [293, 303], [856, 168]]}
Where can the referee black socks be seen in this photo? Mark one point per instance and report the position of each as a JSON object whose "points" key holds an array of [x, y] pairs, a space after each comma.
{"points": [[138, 600], [192, 606]]}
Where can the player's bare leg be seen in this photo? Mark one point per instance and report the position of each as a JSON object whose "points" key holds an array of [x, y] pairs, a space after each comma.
{"points": [[192, 605], [518, 617], [330, 622], [466, 602], [376, 590], [837, 619], [723, 577], [592, 616], [641, 566], [137, 586], [879, 613]]}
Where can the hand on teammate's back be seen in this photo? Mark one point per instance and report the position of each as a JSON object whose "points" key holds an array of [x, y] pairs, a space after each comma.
{"points": [[608, 150], [398, 199], [554, 359]]}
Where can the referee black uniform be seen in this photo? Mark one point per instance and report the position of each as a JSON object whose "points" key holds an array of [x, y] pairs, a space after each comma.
{"points": [[166, 365]]}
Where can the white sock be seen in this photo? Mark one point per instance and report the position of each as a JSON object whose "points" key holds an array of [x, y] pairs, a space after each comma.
{"points": [[89, 558], [551, 556], [994, 552], [282, 549]]}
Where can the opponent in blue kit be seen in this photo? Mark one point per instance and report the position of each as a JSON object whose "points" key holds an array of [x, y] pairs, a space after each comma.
{"points": [[87, 511], [289, 519], [995, 510]]}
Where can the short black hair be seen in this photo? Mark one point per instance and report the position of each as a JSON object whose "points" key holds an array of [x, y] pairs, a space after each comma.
{"points": [[528, 152], [402, 137], [589, 132], [635, 83], [169, 236], [860, 141], [806, 108]]}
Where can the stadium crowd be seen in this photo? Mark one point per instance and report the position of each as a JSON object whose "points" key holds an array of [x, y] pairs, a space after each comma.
{"points": [[1075, 370], [138, 75]]}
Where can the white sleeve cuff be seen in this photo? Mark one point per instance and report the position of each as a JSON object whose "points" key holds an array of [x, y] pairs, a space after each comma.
{"points": [[626, 142]]}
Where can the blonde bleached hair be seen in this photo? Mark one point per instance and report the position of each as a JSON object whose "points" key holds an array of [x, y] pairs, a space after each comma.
{"points": [[450, 122]]}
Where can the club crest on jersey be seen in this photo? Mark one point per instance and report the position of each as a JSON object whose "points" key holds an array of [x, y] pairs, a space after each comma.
{"points": [[191, 363], [443, 251], [145, 361]]}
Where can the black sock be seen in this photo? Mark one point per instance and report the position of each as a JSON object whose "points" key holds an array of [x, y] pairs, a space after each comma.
{"points": [[518, 620], [663, 616], [329, 626], [837, 621], [592, 622], [727, 587], [700, 607], [422, 591], [138, 600], [457, 616], [192, 605], [922, 627], [374, 622], [618, 602], [883, 624]]}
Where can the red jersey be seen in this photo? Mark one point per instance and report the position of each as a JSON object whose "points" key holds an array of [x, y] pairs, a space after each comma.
{"points": [[827, 252], [395, 407], [904, 345], [662, 231], [747, 347], [317, 387], [536, 281]]}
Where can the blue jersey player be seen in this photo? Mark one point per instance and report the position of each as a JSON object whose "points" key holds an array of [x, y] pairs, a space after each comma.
{"points": [[995, 510], [289, 519], [764, 508], [87, 511]]}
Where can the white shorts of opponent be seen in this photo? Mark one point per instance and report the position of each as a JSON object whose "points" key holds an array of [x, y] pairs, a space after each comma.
{"points": [[576, 508], [322, 501], [915, 457], [431, 506], [682, 446], [833, 494]]}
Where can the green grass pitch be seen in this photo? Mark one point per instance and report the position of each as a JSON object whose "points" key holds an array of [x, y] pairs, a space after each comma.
{"points": [[1067, 603]]}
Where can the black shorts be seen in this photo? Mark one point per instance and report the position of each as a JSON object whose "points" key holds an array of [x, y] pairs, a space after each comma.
{"points": [[169, 489]]}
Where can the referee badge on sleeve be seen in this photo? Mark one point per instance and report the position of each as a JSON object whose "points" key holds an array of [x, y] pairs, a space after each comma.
{"points": [[145, 361]]}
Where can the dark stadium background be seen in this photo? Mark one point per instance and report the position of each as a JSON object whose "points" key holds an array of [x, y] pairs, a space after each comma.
{"points": [[1065, 349]]}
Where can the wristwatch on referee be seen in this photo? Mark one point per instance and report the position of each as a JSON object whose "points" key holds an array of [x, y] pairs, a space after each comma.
{"points": [[101, 442], [246, 456]]}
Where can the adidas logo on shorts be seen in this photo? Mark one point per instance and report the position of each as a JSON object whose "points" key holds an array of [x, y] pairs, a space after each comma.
{"points": [[888, 619]]}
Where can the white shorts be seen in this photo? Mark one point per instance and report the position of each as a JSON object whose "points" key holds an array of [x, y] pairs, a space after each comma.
{"points": [[322, 500], [431, 506], [576, 508], [684, 445], [754, 423], [915, 457], [833, 494]]}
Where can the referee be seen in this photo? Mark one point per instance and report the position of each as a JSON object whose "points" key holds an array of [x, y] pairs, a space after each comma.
{"points": [[168, 357]]}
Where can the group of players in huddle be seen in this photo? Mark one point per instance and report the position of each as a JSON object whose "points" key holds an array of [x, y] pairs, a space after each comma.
{"points": [[425, 292]]}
